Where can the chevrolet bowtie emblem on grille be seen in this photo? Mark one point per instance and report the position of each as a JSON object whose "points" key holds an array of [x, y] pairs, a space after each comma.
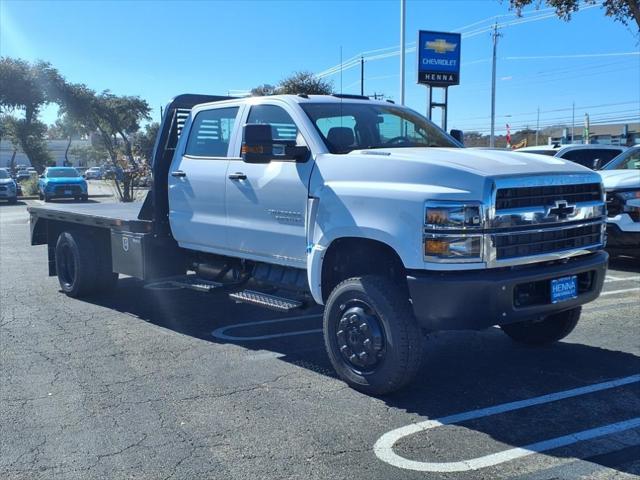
{"points": [[561, 210], [441, 46]]}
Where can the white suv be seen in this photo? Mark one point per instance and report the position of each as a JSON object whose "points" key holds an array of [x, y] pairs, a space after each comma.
{"points": [[592, 156], [621, 179]]}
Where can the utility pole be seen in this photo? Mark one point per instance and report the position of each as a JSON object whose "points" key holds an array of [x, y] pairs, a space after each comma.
{"points": [[537, 126], [362, 76], [403, 9], [494, 35], [573, 122]]}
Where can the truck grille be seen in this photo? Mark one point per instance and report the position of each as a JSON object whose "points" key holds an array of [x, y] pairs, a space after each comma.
{"points": [[522, 197], [524, 244]]}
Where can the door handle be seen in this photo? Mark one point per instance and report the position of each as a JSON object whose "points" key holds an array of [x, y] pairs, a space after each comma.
{"points": [[178, 173], [237, 176]]}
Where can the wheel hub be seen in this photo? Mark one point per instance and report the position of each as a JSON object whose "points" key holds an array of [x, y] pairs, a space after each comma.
{"points": [[360, 338]]}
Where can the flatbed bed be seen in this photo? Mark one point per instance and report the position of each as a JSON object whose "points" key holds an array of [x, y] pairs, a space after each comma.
{"points": [[115, 216]]}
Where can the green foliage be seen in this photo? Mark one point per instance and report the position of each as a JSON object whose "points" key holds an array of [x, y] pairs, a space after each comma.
{"points": [[25, 88], [305, 83], [29, 187], [623, 11], [144, 141]]}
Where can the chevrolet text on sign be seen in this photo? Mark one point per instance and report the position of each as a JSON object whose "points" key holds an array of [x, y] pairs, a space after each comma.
{"points": [[438, 58]]}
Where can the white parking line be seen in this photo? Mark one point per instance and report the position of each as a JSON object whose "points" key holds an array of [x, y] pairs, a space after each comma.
{"points": [[609, 279], [219, 333], [383, 448], [624, 290]]}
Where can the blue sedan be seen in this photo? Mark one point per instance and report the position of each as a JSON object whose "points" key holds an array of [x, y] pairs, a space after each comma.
{"points": [[62, 182]]}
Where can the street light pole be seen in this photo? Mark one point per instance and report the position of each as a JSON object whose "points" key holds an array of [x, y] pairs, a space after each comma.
{"points": [[403, 9], [492, 138], [362, 76]]}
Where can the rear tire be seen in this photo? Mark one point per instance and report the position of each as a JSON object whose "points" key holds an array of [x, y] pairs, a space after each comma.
{"points": [[371, 335], [40, 195], [552, 329], [83, 264], [13, 200], [75, 264]]}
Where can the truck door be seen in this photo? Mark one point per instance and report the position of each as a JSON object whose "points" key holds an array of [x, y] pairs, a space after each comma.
{"points": [[197, 181], [266, 203]]}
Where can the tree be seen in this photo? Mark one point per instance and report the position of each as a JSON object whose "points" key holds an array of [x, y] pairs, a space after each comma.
{"points": [[623, 11], [24, 89], [67, 127], [305, 83], [144, 141]]}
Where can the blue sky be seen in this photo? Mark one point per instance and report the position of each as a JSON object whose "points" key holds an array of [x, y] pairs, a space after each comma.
{"points": [[157, 49]]}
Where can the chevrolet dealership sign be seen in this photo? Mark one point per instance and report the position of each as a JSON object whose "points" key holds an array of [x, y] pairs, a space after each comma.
{"points": [[438, 58]]}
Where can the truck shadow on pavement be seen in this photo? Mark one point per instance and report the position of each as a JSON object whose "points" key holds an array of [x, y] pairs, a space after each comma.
{"points": [[462, 371]]}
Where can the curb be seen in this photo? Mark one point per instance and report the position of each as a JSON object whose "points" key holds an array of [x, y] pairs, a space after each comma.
{"points": [[35, 197]]}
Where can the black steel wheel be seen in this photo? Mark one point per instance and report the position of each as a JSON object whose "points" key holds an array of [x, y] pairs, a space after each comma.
{"points": [[543, 332], [76, 265], [371, 335]]}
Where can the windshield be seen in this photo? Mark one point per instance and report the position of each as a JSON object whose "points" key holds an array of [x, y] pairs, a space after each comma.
{"points": [[62, 172], [629, 160], [353, 126], [4, 174]]}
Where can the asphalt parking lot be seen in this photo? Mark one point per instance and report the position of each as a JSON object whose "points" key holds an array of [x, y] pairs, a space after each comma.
{"points": [[156, 384]]}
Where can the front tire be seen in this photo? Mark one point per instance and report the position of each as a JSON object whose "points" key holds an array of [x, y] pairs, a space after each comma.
{"points": [[371, 335], [549, 330]]}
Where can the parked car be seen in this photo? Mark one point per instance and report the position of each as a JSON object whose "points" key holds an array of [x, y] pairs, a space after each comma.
{"points": [[8, 187], [621, 179], [93, 173], [62, 182], [591, 156]]}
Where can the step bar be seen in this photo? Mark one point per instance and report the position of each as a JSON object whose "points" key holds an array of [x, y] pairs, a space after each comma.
{"points": [[265, 300]]}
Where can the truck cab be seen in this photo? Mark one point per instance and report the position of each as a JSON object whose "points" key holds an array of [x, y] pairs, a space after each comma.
{"points": [[369, 209]]}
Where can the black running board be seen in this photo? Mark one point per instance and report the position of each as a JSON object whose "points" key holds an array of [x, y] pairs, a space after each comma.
{"points": [[265, 300]]}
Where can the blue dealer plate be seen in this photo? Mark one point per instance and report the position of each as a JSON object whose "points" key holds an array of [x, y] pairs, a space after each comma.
{"points": [[564, 288]]}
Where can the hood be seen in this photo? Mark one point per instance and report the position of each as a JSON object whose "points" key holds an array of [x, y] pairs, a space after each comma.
{"points": [[620, 179], [486, 162], [65, 180], [451, 173], [5, 181]]}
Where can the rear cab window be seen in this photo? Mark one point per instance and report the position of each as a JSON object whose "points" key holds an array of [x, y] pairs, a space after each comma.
{"points": [[211, 132]]}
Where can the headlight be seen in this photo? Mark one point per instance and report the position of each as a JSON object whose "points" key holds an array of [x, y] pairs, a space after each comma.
{"points": [[453, 232], [629, 195], [453, 216], [456, 248]]}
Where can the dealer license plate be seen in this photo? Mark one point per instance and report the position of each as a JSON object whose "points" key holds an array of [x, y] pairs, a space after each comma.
{"points": [[564, 288], [67, 192]]}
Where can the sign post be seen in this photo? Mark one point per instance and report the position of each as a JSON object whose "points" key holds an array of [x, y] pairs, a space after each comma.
{"points": [[438, 66]]}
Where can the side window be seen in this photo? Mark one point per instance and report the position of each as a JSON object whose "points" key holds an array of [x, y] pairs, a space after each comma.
{"points": [[211, 132], [283, 126]]}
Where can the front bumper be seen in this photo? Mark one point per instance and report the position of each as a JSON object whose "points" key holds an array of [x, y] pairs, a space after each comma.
{"points": [[622, 240], [477, 299]]}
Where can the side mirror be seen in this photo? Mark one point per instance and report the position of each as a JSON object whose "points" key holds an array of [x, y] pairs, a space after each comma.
{"points": [[597, 164], [259, 146], [458, 135]]}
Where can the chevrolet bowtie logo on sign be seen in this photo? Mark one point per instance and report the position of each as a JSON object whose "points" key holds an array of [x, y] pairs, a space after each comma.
{"points": [[441, 46], [439, 58]]}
